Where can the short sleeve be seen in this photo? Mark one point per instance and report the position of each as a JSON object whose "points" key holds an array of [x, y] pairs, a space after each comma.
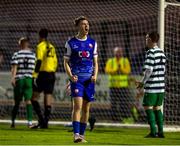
{"points": [[39, 53], [68, 51], [149, 60], [14, 60], [95, 54]]}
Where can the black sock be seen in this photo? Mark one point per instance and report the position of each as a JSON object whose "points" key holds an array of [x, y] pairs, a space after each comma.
{"points": [[15, 111], [47, 113], [37, 109]]}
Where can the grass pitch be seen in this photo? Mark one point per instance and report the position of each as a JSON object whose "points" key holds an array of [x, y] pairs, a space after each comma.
{"points": [[59, 135]]}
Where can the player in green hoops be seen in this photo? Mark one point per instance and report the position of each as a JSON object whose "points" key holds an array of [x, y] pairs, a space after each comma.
{"points": [[153, 82], [23, 64]]}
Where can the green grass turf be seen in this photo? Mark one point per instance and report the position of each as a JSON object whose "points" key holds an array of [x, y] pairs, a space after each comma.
{"points": [[59, 135]]}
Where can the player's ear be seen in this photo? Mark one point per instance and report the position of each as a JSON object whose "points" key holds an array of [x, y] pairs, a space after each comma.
{"points": [[150, 39]]}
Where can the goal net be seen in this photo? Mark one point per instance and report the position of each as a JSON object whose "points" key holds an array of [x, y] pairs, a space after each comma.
{"points": [[172, 45], [122, 24]]}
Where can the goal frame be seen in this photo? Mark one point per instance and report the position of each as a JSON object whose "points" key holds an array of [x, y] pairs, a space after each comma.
{"points": [[161, 29], [161, 20]]}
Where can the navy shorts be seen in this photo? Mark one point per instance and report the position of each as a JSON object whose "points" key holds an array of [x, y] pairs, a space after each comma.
{"points": [[45, 83], [83, 88]]}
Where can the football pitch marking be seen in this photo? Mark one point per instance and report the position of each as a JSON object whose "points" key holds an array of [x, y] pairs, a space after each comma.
{"points": [[167, 128]]}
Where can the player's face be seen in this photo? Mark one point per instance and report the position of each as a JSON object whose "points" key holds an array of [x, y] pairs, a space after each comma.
{"points": [[148, 41], [83, 27]]}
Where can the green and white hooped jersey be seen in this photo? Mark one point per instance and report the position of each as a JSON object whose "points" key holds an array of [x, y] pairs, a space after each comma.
{"points": [[25, 61], [155, 60]]}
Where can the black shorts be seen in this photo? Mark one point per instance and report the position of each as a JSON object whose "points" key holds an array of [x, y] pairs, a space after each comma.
{"points": [[45, 82]]}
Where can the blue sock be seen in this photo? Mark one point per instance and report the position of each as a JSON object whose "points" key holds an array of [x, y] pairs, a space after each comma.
{"points": [[76, 127], [82, 128]]}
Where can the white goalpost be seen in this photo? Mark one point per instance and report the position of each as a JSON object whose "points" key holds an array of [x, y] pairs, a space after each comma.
{"points": [[161, 28], [161, 20]]}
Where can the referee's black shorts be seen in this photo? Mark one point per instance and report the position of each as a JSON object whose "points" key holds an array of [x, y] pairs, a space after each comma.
{"points": [[45, 82]]}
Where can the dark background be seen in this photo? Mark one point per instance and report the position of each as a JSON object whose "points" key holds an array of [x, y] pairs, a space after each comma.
{"points": [[113, 23]]}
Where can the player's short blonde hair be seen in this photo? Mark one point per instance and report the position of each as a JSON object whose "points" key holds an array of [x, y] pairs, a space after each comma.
{"points": [[22, 40], [78, 19]]}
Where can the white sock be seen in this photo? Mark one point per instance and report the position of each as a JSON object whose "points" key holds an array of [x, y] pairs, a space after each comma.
{"points": [[76, 134], [29, 122]]}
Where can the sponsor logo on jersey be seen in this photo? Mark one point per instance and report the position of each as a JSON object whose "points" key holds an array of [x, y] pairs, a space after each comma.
{"points": [[91, 46], [76, 91], [75, 47], [84, 54]]}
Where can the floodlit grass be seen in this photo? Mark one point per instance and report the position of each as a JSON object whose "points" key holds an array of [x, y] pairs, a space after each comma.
{"points": [[59, 135]]}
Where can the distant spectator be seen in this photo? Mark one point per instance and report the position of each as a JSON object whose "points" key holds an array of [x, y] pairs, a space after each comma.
{"points": [[118, 68]]}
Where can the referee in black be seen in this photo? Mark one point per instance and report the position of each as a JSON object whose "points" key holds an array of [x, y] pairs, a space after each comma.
{"points": [[46, 65]]}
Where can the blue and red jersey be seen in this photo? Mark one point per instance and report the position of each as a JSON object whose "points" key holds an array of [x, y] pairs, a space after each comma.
{"points": [[81, 53]]}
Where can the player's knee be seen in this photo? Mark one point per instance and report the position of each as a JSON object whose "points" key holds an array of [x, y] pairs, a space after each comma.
{"points": [[28, 101], [48, 99], [85, 110], [48, 95], [148, 107], [77, 108], [35, 96], [157, 108], [17, 103]]}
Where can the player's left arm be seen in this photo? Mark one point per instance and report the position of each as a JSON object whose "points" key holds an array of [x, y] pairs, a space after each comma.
{"points": [[14, 65], [94, 77], [95, 60]]}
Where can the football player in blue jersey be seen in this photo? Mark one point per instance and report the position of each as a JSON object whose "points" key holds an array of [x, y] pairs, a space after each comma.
{"points": [[81, 65]]}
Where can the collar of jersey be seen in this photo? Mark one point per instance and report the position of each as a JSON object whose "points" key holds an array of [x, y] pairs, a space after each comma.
{"points": [[25, 50], [82, 39], [156, 47]]}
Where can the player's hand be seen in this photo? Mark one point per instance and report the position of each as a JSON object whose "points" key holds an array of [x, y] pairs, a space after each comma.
{"points": [[93, 79], [74, 78], [34, 82], [139, 94], [139, 85], [68, 89], [13, 82]]}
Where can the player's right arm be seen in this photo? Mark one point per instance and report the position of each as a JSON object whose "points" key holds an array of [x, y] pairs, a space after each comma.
{"points": [[72, 77], [13, 72], [14, 64], [148, 67], [67, 68], [39, 58]]}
